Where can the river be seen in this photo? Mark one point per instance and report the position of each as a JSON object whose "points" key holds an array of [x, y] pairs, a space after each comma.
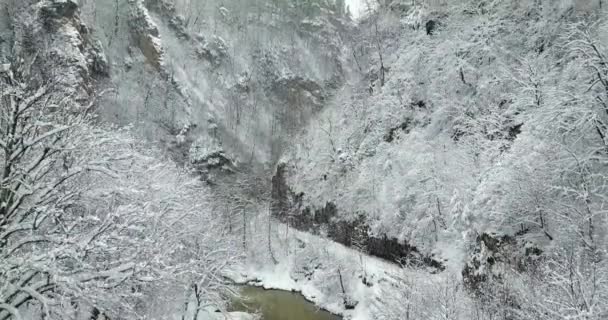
{"points": [[279, 305]]}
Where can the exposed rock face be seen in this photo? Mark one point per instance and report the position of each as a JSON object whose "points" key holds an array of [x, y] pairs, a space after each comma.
{"points": [[494, 255], [214, 50], [6, 36], [393, 132], [50, 37], [146, 34], [430, 27], [210, 159], [297, 90], [281, 194], [213, 60], [165, 75], [61, 8], [288, 208]]}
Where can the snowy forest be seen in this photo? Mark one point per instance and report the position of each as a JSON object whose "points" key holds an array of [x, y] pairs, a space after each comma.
{"points": [[303, 159]]}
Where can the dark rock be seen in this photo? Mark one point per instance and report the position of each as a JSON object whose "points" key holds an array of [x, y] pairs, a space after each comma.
{"points": [[366, 282], [400, 7], [503, 103], [494, 242], [458, 134], [420, 104], [404, 126], [530, 251], [433, 263], [287, 206], [473, 279], [504, 250], [178, 25], [285, 87], [431, 26], [98, 63], [61, 8], [146, 35], [304, 221], [391, 249], [214, 165], [325, 214], [52, 13], [214, 50], [514, 131], [350, 305], [348, 233], [280, 193]]}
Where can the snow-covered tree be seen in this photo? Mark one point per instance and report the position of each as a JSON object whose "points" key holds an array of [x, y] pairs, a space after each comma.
{"points": [[90, 218]]}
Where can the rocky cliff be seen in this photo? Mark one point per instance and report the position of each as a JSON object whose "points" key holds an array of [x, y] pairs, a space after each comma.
{"points": [[217, 81], [214, 82]]}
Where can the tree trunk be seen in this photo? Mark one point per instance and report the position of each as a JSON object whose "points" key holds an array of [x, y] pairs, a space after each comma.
{"points": [[274, 260]]}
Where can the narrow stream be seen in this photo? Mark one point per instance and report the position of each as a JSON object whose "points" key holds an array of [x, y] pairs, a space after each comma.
{"points": [[279, 305]]}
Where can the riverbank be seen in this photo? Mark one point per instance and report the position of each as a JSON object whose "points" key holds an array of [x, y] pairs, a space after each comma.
{"points": [[338, 279]]}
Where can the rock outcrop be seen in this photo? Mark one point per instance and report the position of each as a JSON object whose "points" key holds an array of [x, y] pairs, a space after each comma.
{"points": [[58, 48], [353, 232], [188, 69], [145, 34]]}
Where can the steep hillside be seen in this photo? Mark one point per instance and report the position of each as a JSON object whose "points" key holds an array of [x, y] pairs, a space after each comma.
{"points": [[474, 138], [217, 81]]}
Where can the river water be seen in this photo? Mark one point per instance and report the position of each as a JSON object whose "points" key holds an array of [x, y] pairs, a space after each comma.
{"points": [[279, 305]]}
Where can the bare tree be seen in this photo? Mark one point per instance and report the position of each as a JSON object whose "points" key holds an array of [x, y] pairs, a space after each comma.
{"points": [[87, 218]]}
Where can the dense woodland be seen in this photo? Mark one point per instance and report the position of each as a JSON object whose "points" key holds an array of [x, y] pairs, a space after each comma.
{"points": [[415, 160]]}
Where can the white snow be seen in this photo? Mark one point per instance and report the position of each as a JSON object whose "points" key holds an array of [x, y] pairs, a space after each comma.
{"points": [[211, 314], [303, 251], [357, 7]]}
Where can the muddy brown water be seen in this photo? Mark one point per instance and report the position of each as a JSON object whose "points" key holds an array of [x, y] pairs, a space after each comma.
{"points": [[279, 305]]}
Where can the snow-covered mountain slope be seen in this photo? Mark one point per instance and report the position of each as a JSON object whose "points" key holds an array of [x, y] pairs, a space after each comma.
{"points": [[217, 77], [458, 133], [214, 81]]}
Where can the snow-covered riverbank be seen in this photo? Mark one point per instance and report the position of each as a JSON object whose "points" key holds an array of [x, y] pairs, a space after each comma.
{"points": [[341, 280]]}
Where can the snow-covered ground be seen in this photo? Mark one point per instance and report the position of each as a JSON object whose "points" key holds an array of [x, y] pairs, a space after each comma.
{"points": [[211, 314], [313, 266], [356, 7]]}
